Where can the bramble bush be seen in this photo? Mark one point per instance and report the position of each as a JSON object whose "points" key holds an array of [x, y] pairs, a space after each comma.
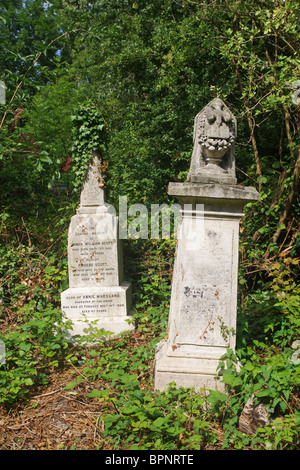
{"points": [[33, 349]]}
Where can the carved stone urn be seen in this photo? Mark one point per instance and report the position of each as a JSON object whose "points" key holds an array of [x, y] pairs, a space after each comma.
{"points": [[214, 138]]}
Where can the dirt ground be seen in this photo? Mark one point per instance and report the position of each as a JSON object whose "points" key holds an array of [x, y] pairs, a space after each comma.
{"points": [[54, 419]]}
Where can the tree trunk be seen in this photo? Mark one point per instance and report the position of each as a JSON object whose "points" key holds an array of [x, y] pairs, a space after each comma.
{"points": [[251, 126], [286, 211]]}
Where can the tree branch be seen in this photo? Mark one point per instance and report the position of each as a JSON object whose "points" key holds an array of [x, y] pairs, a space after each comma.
{"points": [[27, 71]]}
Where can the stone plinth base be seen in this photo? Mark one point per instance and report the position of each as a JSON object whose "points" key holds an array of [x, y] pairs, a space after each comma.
{"points": [[100, 307], [115, 326], [196, 369]]}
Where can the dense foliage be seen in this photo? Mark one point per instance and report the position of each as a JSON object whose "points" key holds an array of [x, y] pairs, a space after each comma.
{"points": [[143, 70]]}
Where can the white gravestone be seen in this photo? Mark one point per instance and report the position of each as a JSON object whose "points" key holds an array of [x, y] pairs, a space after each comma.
{"points": [[202, 317], [98, 296]]}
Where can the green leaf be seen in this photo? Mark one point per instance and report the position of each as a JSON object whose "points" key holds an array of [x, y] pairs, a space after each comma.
{"points": [[264, 393], [44, 157], [159, 421], [71, 385], [98, 393], [231, 379], [28, 381], [25, 346]]}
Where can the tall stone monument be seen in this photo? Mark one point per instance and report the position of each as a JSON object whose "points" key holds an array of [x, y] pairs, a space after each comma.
{"points": [[202, 317], [98, 296]]}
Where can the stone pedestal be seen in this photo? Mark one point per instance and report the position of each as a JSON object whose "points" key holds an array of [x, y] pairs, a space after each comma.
{"points": [[98, 296], [202, 317]]}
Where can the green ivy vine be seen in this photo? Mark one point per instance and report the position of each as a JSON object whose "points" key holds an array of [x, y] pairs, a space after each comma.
{"points": [[89, 136]]}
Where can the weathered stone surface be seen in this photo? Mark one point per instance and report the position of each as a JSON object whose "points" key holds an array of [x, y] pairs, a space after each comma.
{"points": [[97, 294], [203, 302], [107, 308], [94, 251], [253, 417], [204, 193], [92, 193], [214, 139], [94, 302], [202, 316]]}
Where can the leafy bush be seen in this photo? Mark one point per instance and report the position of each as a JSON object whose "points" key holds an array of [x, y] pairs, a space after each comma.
{"points": [[32, 349]]}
